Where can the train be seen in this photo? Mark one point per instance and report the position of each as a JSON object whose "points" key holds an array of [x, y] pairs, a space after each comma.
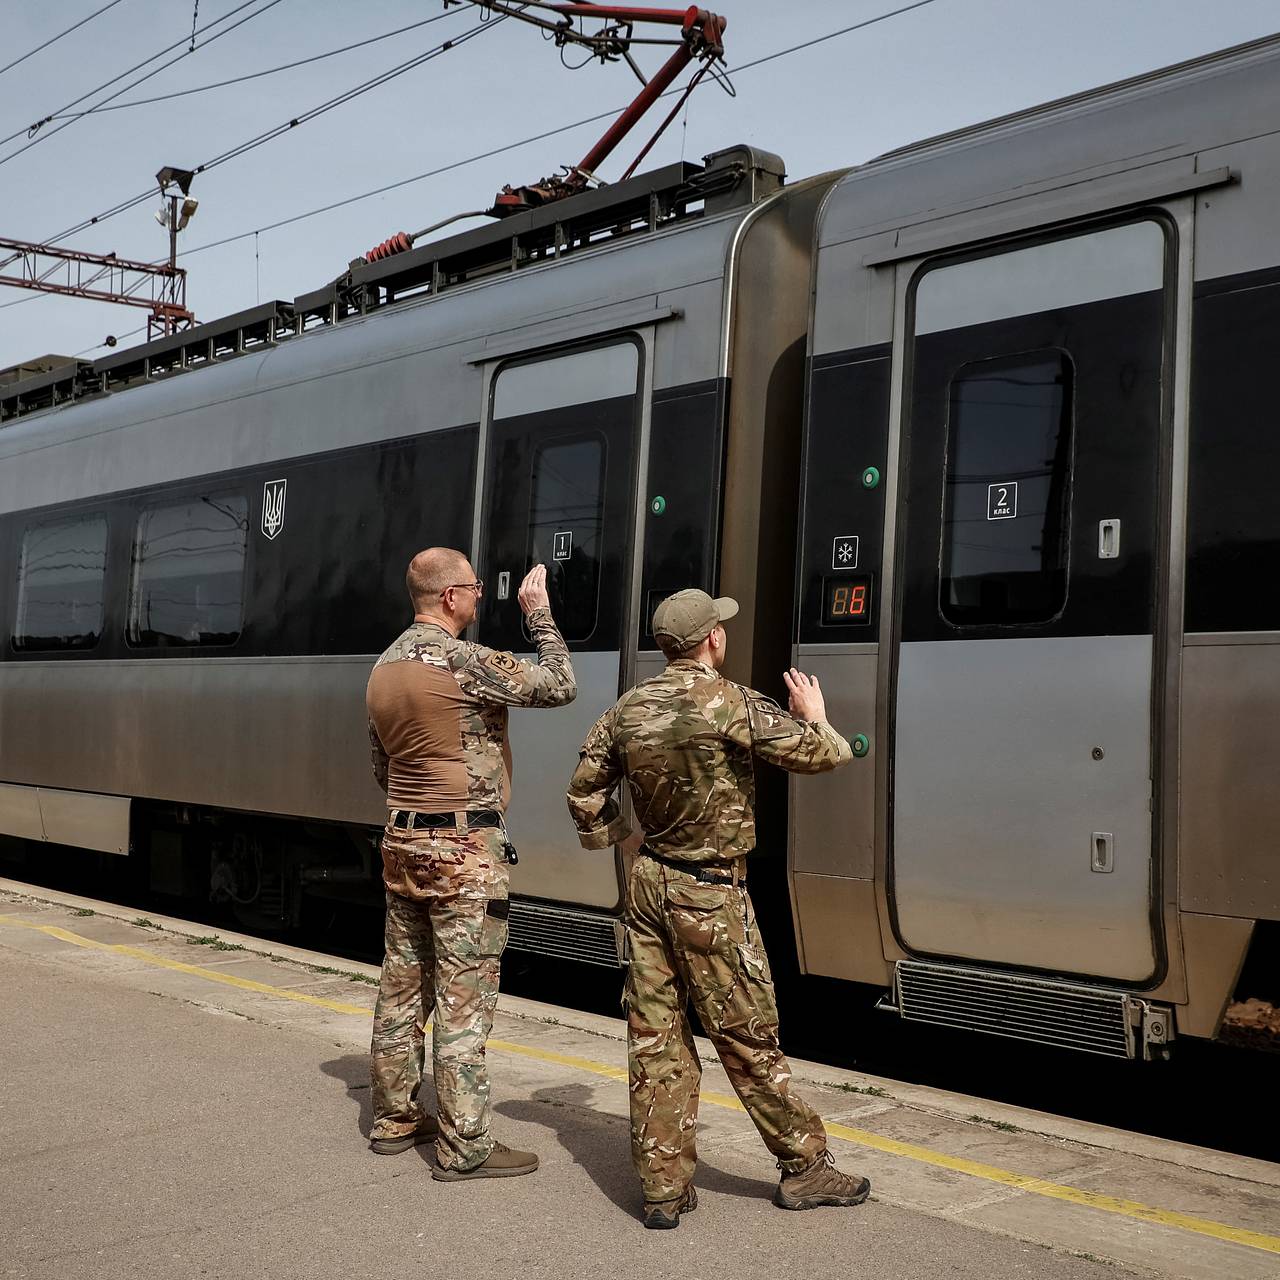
{"points": [[978, 432]]}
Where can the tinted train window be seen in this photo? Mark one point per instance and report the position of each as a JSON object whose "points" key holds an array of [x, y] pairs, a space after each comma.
{"points": [[1005, 521], [60, 584], [565, 523], [188, 573]]}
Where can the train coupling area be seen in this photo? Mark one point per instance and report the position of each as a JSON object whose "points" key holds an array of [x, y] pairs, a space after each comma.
{"points": [[180, 1102]]}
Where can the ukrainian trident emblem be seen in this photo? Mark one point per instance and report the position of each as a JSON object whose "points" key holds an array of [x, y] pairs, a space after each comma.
{"points": [[273, 507]]}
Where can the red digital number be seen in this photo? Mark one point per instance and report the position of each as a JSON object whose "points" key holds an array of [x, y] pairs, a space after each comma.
{"points": [[858, 604]]}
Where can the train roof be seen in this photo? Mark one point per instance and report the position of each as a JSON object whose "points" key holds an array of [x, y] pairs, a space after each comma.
{"points": [[733, 179]]}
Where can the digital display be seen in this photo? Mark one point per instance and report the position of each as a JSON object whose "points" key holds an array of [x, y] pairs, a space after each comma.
{"points": [[846, 601]]}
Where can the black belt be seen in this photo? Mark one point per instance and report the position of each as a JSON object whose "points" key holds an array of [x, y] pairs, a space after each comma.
{"points": [[703, 872], [406, 818]]}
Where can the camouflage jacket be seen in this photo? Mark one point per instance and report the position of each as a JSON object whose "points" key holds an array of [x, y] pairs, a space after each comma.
{"points": [[438, 714], [684, 741]]}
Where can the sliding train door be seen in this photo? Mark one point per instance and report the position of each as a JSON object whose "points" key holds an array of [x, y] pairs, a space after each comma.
{"points": [[559, 489], [1022, 779]]}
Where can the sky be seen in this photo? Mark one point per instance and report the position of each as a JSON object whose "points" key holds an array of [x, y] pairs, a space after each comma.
{"points": [[841, 101]]}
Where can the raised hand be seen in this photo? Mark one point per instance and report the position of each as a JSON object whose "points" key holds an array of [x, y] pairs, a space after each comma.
{"points": [[806, 702], [533, 590]]}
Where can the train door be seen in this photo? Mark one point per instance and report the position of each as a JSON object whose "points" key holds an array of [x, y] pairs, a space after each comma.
{"points": [[1022, 793], [559, 490]]}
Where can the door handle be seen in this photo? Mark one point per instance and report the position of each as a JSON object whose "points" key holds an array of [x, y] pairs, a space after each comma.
{"points": [[1108, 539], [1102, 857]]}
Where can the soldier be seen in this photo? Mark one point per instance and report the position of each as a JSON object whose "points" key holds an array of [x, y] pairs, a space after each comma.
{"points": [[684, 742], [438, 728]]}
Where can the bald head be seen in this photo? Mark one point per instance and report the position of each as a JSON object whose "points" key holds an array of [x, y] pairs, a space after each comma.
{"points": [[431, 571]]}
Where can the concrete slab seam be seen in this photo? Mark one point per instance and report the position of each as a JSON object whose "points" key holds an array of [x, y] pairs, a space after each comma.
{"points": [[890, 1146]]}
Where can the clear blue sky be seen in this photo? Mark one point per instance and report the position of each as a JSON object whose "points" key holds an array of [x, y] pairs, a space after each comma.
{"points": [[947, 64]]}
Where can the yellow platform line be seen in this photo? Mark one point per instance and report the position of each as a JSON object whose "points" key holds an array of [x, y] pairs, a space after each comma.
{"points": [[862, 1137]]}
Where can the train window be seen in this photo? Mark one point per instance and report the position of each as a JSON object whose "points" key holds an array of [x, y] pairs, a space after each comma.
{"points": [[187, 584], [1005, 520], [566, 520], [60, 584]]}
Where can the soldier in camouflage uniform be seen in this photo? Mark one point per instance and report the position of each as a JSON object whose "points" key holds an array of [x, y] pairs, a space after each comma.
{"points": [[684, 741], [438, 729]]}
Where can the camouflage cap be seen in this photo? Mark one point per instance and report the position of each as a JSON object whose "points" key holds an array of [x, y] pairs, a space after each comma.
{"points": [[689, 617]]}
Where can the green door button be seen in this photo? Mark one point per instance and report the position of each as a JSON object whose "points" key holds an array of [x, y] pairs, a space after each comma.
{"points": [[658, 505], [861, 744], [871, 478]]}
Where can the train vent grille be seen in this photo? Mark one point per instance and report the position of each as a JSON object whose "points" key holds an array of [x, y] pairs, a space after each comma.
{"points": [[1063, 1014], [566, 933]]}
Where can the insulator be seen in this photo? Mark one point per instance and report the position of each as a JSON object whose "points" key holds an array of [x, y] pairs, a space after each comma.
{"points": [[398, 243]]}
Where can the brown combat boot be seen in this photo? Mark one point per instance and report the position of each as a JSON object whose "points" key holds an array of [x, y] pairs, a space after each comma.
{"points": [[428, 1129], [502, 1163], [818, 1184], [662, 1215]]}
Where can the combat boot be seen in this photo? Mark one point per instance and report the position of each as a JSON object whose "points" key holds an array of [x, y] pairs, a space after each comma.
{"points": [[662, 1215], [820, 1183], [502, 1163], [428, 1129]]}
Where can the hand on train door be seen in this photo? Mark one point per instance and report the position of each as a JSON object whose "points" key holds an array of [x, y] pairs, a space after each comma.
{"points": [[533, 590], [806, 701]]}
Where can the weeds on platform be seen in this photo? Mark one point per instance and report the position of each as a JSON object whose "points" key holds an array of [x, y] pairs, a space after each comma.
{"points": [[868, 1091], [142, 922], [85, 911], [218, 944], [1003, 1125]]}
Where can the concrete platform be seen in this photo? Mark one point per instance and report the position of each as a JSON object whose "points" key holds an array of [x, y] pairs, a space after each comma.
{"points": [[173, 1106]]}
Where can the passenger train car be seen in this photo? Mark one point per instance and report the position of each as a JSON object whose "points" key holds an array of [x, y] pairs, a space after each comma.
{"points": [[978, 432]]}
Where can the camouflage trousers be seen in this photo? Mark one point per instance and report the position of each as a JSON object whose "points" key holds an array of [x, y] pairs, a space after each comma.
{"points": [[700, 940], [445, 932]]}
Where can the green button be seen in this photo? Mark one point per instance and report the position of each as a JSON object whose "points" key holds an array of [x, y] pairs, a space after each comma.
{"points": [[658, 505], [861, 744], [871, 478]]}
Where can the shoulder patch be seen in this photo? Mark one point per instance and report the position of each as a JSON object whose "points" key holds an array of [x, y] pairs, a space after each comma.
{"points": [[767, 719], [503, 662]]}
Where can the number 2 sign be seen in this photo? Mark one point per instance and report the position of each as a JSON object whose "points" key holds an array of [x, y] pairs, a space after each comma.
{"points": [[1002, 500]]}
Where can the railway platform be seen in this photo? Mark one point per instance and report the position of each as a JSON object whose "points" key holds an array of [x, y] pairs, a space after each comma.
{"points": [[180, 1102]]}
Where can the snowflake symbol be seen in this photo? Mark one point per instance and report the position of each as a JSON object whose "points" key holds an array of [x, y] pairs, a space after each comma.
{"points": [[845, 553]]}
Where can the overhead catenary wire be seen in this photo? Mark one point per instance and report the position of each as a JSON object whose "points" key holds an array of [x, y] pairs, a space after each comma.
{"points": [[286, 126], [472, 159], [524, 142], [8, 66], [256, 75], [36, 131]]}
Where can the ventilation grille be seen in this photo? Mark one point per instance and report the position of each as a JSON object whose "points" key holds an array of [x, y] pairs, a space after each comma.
{"points": [[565, 932], [1061, 1014]]}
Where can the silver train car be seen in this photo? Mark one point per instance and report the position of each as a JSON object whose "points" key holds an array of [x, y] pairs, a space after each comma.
{"points": [[978, 432]]}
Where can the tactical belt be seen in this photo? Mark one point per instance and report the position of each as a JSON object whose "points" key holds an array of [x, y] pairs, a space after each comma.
{"points": [[704, 872], [409, 820]]}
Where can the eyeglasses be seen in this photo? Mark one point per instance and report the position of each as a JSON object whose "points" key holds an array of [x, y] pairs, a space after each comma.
{"points": [[477, 586]]}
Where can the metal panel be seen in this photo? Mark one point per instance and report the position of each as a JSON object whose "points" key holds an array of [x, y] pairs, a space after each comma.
{"points": [[1214, 949], [838, 929], [85, 820], [1075, 199], [544, 748], [1230, 803], [998, 789], [833, 814], [598, 323], [20, 812]]}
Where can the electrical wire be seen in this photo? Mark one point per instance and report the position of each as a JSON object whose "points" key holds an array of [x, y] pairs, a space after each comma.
{"points": [[256, 75], [286, 126], [468, 160], [34, 131], [53, 39], [523, 142]]}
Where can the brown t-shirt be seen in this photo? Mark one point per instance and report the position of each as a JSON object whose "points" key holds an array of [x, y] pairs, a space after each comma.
{"points": [[438, 714]]}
